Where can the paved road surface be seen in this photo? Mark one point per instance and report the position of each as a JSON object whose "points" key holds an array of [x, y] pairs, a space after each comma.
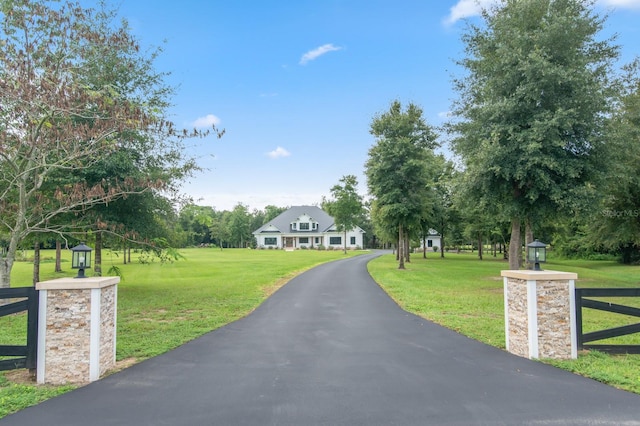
{"points": [[330, 348]]}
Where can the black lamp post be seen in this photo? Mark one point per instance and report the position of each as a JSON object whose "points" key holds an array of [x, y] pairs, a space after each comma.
{"points": [[536, 254], [81, 259]]}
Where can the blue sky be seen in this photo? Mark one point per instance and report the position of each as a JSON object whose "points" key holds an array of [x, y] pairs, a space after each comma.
{"points": [[295, 84]]}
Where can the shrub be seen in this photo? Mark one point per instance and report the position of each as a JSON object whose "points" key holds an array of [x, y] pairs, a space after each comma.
{"points": [[321, 247], [435, 248]]}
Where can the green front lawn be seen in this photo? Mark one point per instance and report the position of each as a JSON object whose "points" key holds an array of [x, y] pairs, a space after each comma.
{"points": [[161, 306], [466, 295]]}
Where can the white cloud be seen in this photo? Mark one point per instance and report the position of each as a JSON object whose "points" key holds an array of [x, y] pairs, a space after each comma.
{"points": [[279, 152], [622, 4], [466, 9], [317, 52], [206, 121]]}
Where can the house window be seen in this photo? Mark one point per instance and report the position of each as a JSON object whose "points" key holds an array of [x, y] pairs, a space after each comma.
{"points": [[304, 240], [429, 243], [315, 225], [335, 240], [304, 226], [317, 240], [353, 241], [293, 225], [270, 241]]}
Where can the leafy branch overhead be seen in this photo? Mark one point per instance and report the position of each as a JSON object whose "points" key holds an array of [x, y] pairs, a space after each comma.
{"points": [[76, 92]]}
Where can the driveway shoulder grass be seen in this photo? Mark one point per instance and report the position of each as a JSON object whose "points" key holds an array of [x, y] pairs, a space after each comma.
{"points": [[465, 294]]}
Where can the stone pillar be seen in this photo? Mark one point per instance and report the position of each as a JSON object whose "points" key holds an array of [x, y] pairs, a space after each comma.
{"points": [[76, 329], [539, 314]]}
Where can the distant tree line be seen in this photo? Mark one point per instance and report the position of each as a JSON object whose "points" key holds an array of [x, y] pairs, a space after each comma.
{"points": [[545, 134], [546, 137]]}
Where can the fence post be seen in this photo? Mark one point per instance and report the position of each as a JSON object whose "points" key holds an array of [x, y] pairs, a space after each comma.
{"points": [[540, 313], [32, 329], [76, 329]]}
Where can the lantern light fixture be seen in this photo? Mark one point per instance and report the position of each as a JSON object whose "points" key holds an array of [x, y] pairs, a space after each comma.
{"points": [[81, 259], [536, 254]]}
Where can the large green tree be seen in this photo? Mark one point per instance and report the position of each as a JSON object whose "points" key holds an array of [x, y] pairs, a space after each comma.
{"points": [[346, 206], [446, 217], [615, 226], [530, 117], [195, 221], [398, 172], [74, 88], [239, 223]]}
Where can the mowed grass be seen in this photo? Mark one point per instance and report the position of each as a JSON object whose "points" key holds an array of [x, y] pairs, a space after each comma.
{"points": [[161, 306], [466, 295]]}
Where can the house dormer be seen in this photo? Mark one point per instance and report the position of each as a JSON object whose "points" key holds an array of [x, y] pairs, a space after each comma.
{"points": [[304, 223]]}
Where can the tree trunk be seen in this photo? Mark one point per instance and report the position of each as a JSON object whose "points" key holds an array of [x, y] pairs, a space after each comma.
{"points": [[97, 262], [480, 248], [345, 241], [424, 247], [407, 248], [36, 263], [58, 256], [442, 244], [528, 232], [515, 244], [124, 252], [129, 254], [400, 248], [6, 263]]}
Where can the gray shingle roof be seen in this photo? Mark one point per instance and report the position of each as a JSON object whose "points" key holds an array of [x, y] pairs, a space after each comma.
{"points": [[283, 221]]}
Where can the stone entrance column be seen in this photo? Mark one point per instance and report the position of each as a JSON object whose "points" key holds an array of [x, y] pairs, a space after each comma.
{"points": [[76, 329], [539, 309]]}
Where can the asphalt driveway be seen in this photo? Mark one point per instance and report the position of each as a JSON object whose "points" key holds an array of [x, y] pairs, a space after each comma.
{"points": [[331, 348]]}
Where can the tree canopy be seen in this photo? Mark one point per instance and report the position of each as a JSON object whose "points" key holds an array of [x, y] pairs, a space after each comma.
{"points": [[75, 89], [397, 169], [529, 120], [346, 206]]}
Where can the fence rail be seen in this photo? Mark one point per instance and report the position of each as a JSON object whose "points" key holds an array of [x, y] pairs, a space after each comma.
{"points": [[582, 302], [26, 353]]}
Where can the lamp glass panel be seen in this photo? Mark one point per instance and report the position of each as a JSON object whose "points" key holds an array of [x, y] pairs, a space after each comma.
{"points": [[87, 259], [542, 255]]}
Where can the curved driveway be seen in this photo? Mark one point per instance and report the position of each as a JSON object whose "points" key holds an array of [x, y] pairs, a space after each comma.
{"points": [[331, 348]]}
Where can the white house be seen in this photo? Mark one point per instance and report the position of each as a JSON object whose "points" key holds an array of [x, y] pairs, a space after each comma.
{"points": [[305, 226], [432, 240]]}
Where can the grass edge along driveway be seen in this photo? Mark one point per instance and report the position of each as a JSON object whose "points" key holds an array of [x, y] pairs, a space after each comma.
{"points": [[161, 306], [465, 294]]}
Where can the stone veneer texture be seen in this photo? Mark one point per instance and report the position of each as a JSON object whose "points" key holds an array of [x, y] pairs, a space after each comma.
{"points": [[553, 318], [107, 329], [518, 318], [67, 336]]}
